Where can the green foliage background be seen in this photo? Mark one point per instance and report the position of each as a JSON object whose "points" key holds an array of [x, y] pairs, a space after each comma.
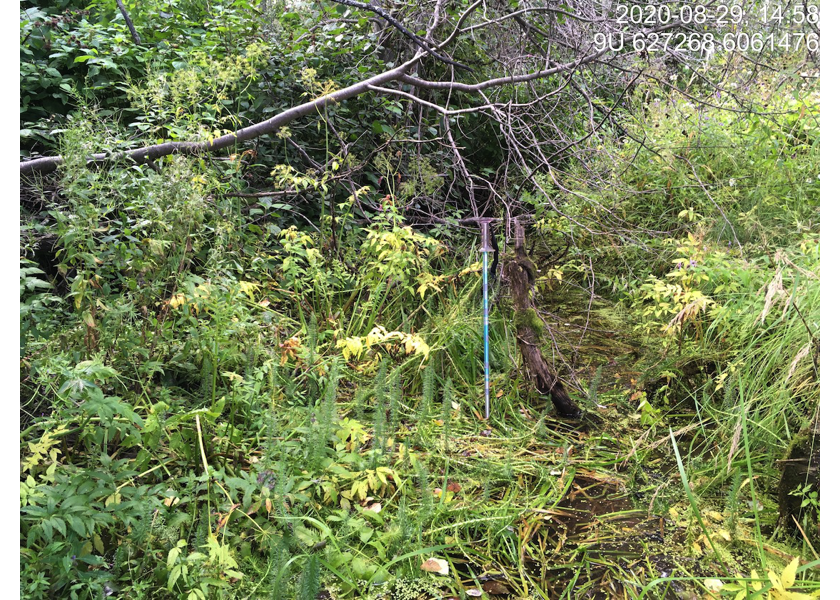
{"points": [[233, 394]]}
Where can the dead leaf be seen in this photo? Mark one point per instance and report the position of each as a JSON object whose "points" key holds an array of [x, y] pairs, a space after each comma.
{"points": [[715, 516], [436, 565], [496, 588]]}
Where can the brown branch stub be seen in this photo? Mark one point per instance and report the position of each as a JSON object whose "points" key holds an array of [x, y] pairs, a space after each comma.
{"points": [[521, 273], [127, 17]]}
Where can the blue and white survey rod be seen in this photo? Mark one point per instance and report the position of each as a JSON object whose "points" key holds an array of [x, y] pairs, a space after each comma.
{"points": [[486, 247]]}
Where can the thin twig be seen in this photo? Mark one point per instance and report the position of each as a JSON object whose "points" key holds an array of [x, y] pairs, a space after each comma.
{"points": [[399, 27]]}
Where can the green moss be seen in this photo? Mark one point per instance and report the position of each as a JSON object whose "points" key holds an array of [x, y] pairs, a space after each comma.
{"points": [[800, 445], [531, 319]]}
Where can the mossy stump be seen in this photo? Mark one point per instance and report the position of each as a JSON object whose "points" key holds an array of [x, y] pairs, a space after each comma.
{"points": [[799, 468], [521, 274]]}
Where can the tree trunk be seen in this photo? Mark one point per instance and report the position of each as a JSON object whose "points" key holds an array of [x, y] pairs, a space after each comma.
{"points": [[521, 273], [800, 467]]}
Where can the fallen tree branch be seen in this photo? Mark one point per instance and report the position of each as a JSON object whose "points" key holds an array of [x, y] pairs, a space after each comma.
{"points": [[150, 153], [48, 164], [261, 194]]}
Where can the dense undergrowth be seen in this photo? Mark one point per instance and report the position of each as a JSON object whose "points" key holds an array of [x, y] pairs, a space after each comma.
{"points": [[227, 395]]}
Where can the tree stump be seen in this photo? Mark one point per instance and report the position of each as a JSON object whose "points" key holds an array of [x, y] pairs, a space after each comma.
{"points": [[800, 467], [521, 273]]}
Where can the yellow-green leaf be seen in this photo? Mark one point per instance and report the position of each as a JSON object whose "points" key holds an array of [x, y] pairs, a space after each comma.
{"points": [[774, 579], [789, 574], [88, 319], [756, 584]]}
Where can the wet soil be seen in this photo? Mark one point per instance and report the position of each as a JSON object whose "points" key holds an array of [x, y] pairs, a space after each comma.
{"points": [[602, 537]]}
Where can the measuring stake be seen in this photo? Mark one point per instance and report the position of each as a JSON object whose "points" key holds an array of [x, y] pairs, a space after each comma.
{"points": [[485, 248]]}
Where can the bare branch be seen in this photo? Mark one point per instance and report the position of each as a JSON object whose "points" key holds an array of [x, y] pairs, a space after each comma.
{"points": [[422, 102], [512, 79], [150, 153], [399, 27], [525, 11]]}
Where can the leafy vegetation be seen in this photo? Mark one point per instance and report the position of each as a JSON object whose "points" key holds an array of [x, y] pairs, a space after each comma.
{"points": [[258, 374]]}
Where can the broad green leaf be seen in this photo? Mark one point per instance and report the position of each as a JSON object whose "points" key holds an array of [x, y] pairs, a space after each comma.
{"points": [[59, 525], [173, 577], [77, 525], [173, 556]]}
